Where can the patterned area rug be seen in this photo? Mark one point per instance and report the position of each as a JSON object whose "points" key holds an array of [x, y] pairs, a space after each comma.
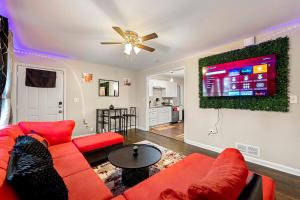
{"points": [[111, 175]]}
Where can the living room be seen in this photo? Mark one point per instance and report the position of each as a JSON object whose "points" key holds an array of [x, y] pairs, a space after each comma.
{"points": [[73, 40]]}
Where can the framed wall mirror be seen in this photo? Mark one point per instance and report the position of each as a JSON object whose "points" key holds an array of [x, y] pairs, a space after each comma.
{"points": [[108, 88]]}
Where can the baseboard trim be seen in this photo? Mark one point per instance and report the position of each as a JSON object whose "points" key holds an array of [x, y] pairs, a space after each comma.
{"points": [[265, 163], [141, 128]]}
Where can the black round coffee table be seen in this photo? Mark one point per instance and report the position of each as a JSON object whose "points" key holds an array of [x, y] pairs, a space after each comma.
{"points": [[135, 167]]}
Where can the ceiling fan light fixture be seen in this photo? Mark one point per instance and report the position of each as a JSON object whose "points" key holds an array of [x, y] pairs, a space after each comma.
{"points": [[132, 41], [136, 50], [128, 48]]}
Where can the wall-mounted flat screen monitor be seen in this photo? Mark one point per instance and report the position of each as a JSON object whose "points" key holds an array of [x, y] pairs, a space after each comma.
{"points": [[249, 77]]}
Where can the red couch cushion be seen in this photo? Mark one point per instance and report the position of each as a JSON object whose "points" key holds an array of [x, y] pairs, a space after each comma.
{"points": [[12, 131], [170, 194], [225, 180], [63, 149], [4, 158], [97, 141], [87, 185], [70, 164], [7, 143], [268, 185], [179, 177], [120, 197], [7, 192], [54, 132], [39, 138]]}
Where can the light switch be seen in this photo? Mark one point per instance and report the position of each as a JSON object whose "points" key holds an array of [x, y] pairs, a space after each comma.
{"points": [[293, 99], [76, 100]]}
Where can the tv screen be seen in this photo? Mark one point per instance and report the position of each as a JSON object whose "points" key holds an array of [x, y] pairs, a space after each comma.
{"points": [[249, 77]]}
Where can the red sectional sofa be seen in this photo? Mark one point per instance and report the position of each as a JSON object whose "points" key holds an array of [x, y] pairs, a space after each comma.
{"points": [[80, 179], [84, 184]]}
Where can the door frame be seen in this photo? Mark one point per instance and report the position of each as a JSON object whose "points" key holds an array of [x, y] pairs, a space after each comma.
{"points": [[148, 77], [32, 66]]}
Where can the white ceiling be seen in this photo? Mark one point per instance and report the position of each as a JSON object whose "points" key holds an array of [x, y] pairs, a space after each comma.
{"points": [[175, 74], [74, 28]]}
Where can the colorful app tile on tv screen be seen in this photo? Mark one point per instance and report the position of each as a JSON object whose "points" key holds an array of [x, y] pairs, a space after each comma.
{"points": [[249, 77]]}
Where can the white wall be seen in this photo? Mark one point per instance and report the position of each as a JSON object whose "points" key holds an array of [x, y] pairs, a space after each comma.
{"points": [[278, 134], [86, 92]]}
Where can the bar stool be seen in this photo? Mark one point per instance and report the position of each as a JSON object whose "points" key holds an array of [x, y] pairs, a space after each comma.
{"points": [[105, 120], [129, 116], [118, 116]]}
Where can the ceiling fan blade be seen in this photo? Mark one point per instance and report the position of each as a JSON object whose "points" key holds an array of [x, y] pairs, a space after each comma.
{"points": [[120, 31], [145, 47], [111, 42], [149, 37]]}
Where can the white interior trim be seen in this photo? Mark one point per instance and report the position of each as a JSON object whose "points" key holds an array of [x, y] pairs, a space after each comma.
{"points": [[265, 163], [147, 126]]}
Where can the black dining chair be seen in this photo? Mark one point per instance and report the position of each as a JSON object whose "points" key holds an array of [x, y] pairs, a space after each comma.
{"points": [[118, 117], [131, 115]]}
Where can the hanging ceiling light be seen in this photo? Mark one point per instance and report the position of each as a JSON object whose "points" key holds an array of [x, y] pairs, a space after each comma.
{"points": [[171, 79], [136, 50], [128, 48]]}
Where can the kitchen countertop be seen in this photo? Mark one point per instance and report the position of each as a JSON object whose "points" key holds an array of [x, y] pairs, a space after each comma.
{"points": [[161, 106]]}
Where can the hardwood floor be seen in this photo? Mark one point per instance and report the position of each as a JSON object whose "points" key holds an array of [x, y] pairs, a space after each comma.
{"points": [[287, 186], [174, 131]]}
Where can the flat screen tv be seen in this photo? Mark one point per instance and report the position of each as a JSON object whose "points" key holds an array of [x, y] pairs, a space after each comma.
{"points": [[249, 77]]}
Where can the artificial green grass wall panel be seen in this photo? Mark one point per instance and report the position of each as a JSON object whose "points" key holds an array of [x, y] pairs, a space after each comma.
{"points": [[279, 102]]}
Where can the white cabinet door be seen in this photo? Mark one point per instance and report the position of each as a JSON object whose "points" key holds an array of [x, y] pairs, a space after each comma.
{"points": [[164, 115], [168, 90], [171, 89], [153, 117], [156, 83]]}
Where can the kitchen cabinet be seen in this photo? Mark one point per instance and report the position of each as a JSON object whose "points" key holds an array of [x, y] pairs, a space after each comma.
{"points": [[153, 117], [169, 89], [160, 115], [164, 115]]}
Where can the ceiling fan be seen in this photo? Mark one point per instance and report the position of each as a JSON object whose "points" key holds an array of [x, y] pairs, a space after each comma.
{"points": [[133, 41]]}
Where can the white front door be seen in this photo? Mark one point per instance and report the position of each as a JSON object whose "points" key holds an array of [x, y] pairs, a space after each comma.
{"points": [[39, 104]]}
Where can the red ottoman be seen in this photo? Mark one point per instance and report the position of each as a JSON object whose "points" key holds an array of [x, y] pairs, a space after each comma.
{"points": [[97, 147]]}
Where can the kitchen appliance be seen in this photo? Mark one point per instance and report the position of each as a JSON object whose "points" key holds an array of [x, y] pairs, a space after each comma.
{"points": [[175, 114]]}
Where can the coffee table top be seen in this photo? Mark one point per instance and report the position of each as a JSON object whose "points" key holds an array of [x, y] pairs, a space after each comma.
{"points": [[147, 155]]}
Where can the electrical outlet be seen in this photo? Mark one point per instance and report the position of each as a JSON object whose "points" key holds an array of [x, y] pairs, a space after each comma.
{"points": [[212, 132], [293, 99]]}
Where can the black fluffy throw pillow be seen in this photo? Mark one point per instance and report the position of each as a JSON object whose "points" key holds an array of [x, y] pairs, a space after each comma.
{"points": [[30, 145], [32, 174]]}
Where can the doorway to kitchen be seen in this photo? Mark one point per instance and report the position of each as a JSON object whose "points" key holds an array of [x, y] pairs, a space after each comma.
{"points": [[166, 104]]}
